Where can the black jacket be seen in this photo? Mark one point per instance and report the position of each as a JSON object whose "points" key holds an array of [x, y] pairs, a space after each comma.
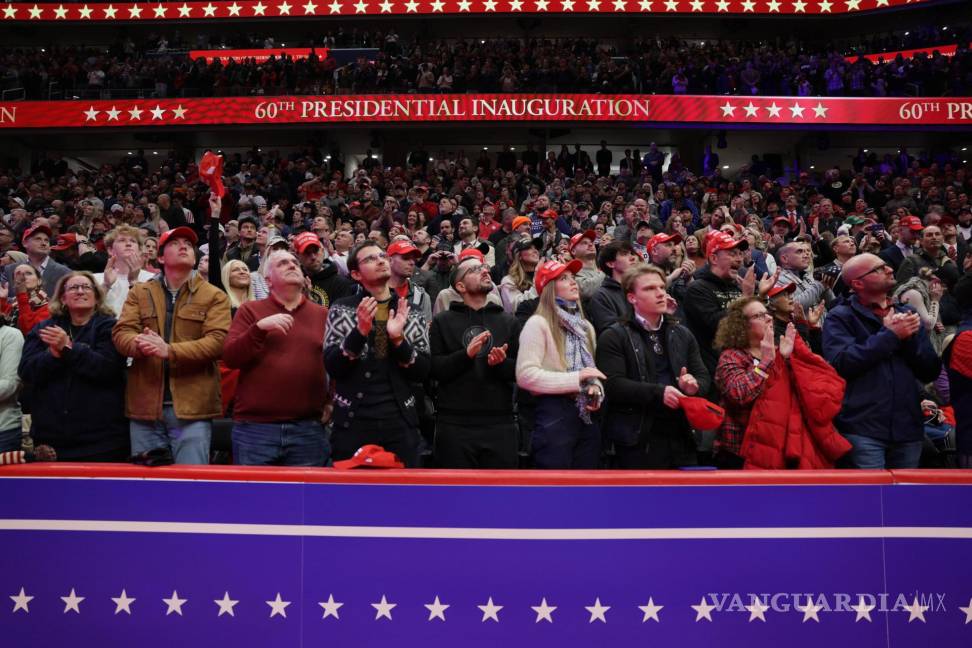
{"points": [[470, 391], [705, 305], [349, 359], [77, 401], [608, 305], [631, 398], [328, 285]]}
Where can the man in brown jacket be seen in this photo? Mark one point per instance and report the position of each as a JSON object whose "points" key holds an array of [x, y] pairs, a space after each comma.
{"points": [[173, 327]]}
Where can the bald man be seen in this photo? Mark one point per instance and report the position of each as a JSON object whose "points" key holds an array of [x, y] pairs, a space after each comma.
{"points": [[883, 352]]}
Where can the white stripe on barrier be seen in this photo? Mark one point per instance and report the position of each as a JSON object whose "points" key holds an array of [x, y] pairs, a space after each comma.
{"points": [[462, 533]]}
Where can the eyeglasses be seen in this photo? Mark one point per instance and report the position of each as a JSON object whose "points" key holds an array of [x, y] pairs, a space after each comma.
{"points": [[877, 268], [372, 258], [470, 268], [79, 288], [759, 316]]}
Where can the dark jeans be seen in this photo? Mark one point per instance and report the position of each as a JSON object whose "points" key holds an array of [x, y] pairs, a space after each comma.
{"points": [[293, 443], [561, 439], [393, 436], [11, 439], [475, 446]]}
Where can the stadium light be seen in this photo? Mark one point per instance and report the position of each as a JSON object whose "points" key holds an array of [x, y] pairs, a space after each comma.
{"points": [[725, 166], [130, 153], [812, 167]]}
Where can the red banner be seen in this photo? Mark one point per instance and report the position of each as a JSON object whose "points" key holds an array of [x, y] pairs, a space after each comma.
{"points": [[258, 55], [249, 9], [944, 50], [392, 109]]}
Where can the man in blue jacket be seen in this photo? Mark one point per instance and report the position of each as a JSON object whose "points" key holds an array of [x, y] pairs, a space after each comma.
{"points": [[882, 351]]}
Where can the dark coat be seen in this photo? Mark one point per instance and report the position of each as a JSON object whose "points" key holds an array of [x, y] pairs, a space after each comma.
{"points": [[631, 400], [882, 400], [77, 401], [608, 305]]}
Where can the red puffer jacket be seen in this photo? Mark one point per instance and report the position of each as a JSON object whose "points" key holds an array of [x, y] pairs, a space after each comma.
{"points": [[791, 424]]}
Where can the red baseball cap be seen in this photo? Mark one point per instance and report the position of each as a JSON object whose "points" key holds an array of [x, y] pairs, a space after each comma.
{"points": [[550, 213], [576, 238], [403, 248], [702, 414], [658, 239], [39, 229], [782, 219], [65, 242], [550, 270], [179, 232], [472, 252], [304, 240], [781, 288], [718, 241], [911, 222], [370, 456]]}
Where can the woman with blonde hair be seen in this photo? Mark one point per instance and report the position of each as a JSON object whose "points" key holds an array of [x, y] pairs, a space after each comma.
{"points": [[518, 284], [555, 363], [237, 283], [74, 379]]}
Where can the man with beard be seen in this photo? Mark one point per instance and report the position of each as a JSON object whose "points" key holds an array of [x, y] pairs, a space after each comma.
{"points": [[661, 249], [327, 285], [715, 287], [589, 278], [883, 352], [468, 235], [474, 346]]}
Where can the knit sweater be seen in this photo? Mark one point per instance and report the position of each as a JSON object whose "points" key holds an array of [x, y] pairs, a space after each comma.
{"points": [[540, 368], [281, 376]]}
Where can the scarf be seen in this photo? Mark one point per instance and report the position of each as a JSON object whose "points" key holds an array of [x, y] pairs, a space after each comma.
{"points": [[576, 353]]}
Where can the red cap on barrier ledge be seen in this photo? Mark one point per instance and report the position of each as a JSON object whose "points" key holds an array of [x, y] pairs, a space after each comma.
{"points": [[370, 456]]}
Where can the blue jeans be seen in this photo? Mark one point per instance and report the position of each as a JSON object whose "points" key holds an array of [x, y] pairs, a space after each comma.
{"points": [[11, 439], [188, 440], [876, 454], [294, 443], [561, 439]]}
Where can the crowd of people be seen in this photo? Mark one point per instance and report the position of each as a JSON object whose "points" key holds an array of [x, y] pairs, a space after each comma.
{"points": [[422, 64], [519, 310]]}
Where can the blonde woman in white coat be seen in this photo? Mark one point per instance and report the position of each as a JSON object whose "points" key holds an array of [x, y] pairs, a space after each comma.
{"points": [[556, 363]]}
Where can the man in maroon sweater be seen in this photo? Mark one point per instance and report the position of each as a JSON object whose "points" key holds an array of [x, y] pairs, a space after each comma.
{"points": [[277, 343]]}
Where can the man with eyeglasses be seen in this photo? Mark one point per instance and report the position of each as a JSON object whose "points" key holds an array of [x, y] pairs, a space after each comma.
{"points": [[883, 352], [375, 347], [474, 346]]}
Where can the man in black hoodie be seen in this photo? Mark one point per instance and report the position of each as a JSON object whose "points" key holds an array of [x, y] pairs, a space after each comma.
{"points": [[717, 285], [608, 304], [473, 347], [327, 284]]}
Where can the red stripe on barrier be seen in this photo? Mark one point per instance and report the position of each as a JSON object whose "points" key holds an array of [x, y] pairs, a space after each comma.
{"points": [[488, 477]]}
